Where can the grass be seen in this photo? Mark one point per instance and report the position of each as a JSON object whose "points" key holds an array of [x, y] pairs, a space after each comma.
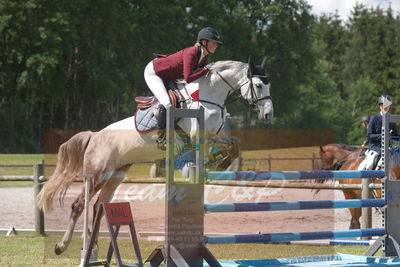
{"points": [[20, 159], [38, 251], [280, 165], [8, 184]]}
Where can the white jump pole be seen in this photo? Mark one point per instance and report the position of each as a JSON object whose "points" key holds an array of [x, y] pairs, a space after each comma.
{"points": [[87, 180]]}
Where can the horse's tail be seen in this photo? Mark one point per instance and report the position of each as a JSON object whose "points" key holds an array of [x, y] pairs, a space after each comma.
{"points": [[69, 165]]}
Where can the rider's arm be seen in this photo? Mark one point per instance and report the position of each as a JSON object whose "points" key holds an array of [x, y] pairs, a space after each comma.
{"points": [[190, 61], [373, 134]]}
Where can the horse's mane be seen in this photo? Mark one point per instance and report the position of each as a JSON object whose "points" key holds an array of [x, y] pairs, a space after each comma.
{"points": [[228, 64], [344, 146]]}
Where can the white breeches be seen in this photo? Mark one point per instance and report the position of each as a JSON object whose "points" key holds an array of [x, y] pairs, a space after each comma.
{"points": [[156, 85], [368, 162]]}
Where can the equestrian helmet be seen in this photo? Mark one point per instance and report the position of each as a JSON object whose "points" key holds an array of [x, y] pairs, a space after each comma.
{"points": [[382, 97], [365, 119], [209, 34]]}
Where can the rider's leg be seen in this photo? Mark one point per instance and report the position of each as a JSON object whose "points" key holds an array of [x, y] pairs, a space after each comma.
{"points": [[156, 85], [363, 163], [379, 165], [370, 160]]}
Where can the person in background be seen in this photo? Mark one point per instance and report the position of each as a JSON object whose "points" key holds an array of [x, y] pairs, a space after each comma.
{"points": [[374, 134]]}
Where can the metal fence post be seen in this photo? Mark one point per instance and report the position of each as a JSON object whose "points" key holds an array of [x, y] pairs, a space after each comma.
{"points": [[38, 178]]}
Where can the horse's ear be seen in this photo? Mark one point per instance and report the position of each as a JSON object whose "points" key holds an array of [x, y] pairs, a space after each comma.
{"points": [[251, 67], [264, 62], [249, 62]]}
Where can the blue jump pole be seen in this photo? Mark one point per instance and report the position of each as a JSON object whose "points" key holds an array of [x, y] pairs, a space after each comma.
{"points": [[285, 237], [292, 175], [294, 205]]}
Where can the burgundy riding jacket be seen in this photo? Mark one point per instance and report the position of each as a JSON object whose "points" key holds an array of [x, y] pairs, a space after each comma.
{"points": [[183, 64]]}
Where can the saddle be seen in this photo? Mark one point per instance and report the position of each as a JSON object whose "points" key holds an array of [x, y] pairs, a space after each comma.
{"points": [[145, 102], [146, 116]]}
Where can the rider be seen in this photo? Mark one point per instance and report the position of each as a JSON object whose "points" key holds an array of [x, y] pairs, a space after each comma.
{"points": [[188, 63], [374, 134], [364, 122]]}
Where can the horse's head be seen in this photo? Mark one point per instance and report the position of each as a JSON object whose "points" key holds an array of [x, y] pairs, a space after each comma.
{"points": [[326, 155], [237, 78], [257, 91]]}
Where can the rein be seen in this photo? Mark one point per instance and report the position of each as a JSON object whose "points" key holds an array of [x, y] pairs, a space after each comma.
{"points": [[236, 91], [254, 98]]}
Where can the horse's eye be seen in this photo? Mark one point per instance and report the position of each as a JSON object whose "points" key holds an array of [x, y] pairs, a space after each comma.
{"points": [[259, 86]]}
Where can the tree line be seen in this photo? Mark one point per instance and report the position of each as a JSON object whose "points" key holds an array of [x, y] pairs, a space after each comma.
{"points": [[78, 64]]}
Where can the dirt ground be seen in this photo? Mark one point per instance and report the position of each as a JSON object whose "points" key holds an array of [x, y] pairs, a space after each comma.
{"points": [[147, 203]]}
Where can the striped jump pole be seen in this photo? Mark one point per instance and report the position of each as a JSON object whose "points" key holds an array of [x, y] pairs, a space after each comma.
{"points": [[294, 185], [294, 205], [286, 237], [291, 175]]}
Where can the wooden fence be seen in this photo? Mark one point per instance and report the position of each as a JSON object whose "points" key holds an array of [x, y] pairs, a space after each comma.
{"points": [[254, 164]]}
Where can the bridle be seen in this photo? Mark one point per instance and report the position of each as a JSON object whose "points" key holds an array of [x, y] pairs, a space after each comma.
{"points": [[236, 91]]}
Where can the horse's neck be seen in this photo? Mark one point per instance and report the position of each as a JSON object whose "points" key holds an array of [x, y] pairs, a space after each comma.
{"points": [[215, 93], [341, 154], [211, 99]]}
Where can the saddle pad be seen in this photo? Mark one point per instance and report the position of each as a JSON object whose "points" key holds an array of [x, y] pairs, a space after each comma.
{"points": [[145, 120]]}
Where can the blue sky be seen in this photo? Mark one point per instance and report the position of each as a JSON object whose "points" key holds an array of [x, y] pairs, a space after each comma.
{"points": [[345, 6]]}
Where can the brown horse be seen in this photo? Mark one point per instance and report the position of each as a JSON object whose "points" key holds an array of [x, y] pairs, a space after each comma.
{"points": [[332, 154], [349, 158], [353, 164], [344, 157]]}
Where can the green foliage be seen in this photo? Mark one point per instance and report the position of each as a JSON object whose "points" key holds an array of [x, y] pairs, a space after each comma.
{"points": [[78, 64]]}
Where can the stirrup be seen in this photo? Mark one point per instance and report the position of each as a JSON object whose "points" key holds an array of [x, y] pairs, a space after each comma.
{"points": [[161, 140]]}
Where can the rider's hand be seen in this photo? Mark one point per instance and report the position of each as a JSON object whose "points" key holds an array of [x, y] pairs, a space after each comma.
{"points": [[209, 66]]}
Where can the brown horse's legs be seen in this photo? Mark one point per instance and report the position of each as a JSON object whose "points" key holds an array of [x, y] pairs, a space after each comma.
{"points": [[355, 218], [76, 211], [355, 212]]}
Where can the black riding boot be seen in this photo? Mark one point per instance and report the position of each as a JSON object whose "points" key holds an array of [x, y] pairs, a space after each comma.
{"points": [[162, 122]]}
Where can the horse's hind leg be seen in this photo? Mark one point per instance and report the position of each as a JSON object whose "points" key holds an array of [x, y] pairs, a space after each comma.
{"points": [[107, 191], [355, 218], [76, 211], [106, 195], [354, 212]]}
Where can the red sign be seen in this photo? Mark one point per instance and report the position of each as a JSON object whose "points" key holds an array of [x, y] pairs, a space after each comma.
{"points": [[118, 213]]}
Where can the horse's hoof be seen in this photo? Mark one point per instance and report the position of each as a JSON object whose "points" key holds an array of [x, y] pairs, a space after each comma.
{"points": [[57, 250]]}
